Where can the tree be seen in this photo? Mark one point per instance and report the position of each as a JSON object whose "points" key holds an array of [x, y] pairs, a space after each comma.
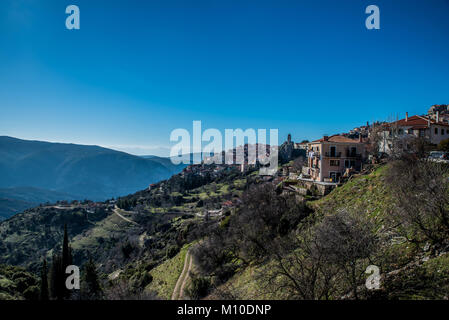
{"points": [[347, 241], [44, 295], [300, 268], [60, 262], [66, 259], [421, 190], [90, 288], [199, 287], [57, 278], [264, 215], [298, 163], [444, 145]]}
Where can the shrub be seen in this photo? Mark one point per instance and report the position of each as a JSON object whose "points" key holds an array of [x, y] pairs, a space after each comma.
{"points": [[199, 287]]}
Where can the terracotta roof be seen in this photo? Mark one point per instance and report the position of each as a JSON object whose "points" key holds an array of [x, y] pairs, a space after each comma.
{"points": [[416, 122], [337, 138]]}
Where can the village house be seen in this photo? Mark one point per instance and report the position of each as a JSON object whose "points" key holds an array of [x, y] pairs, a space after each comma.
{"points": [[397, 134], [331, 158]]}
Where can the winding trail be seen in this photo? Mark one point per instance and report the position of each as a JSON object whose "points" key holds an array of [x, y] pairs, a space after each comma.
{"points": [[181, 292], [116, 211], [178, 291]]}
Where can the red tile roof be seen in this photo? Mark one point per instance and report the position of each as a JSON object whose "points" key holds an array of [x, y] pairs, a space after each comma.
{"points": [[416, 122], [337, 138]]}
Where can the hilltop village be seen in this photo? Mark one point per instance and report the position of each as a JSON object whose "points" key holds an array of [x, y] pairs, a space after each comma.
{"points": [[326, 163], [219, 231]]}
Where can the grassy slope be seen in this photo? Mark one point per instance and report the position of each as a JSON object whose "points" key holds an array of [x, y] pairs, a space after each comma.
{"points": [[368, 195], [166, 274]]}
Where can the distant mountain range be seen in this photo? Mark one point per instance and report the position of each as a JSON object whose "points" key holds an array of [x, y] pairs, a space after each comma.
{"points": [[18, 199], [33, 172]]}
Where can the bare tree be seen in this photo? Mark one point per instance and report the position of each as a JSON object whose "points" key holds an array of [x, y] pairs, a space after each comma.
{"points": [[348, 241], [300, 269], [298, 163], [122, 289], [264, 215], [421, 190]]}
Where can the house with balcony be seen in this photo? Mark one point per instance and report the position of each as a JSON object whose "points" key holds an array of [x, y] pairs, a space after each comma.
{"points": [[399, 133], [331, 158]]}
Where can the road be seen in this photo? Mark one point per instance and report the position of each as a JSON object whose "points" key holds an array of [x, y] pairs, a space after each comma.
{"points": [[116, 211], [178, 291]]}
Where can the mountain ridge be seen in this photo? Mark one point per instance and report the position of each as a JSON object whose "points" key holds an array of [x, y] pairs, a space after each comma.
{"points": [[79, 171]]}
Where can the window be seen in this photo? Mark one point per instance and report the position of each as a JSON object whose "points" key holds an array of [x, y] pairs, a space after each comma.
{"points": [[353, 151], [447, 131], [410, 131], [350, 163], [421, 133], [436, 130], [335, 176], [334, 163], [333, 151]]}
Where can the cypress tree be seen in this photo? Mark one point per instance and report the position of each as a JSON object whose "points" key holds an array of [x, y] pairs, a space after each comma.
{"points": [[58, 276], [57, 284], [44, 281], [66, 259]]}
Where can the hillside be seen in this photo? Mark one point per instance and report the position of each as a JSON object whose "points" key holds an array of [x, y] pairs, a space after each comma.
{"points": [[409, 270], [164, 218], [239, 228], [72, 171], [18, 199]]}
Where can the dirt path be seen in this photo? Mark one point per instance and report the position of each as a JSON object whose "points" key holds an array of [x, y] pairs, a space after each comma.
{"points": [[116, 211], [186, 278], [178, 291]]}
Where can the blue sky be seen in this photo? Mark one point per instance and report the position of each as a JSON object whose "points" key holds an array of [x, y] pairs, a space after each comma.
{"points": [[136, 69]]}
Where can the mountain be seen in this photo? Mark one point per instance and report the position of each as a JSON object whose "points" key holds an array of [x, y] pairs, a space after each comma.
{"points": [[162, 221], [18, 199], [77, 171], [237, 229]]}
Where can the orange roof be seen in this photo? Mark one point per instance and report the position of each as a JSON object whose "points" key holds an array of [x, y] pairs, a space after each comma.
{"points": [[416, 122], [337, 138]]}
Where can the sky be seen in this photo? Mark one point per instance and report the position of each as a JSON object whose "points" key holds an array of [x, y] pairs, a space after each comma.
{"points": [[136, 70]]}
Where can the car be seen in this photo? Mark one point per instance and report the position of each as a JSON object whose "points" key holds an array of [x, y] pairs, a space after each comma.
{"points": [[439, 156]]}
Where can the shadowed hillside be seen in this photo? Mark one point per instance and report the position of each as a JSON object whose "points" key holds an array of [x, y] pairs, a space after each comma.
{"points": [[78, 171]]}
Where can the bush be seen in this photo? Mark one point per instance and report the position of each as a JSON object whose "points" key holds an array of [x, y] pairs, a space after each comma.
{"points": [[31, 293], [199, 287], [172, 251], [127, 249], [444, 145]]}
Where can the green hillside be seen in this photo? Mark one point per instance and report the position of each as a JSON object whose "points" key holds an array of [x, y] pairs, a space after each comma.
{"points": [[409, 269], [81, 171], [247, 234]]}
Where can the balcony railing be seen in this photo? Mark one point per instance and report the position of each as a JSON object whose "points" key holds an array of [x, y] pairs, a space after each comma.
{"points": [[333, 154], [353, 155], [314, 154]]}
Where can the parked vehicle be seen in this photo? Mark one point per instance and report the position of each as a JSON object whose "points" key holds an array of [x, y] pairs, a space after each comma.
{"points": [[439, 156]]}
